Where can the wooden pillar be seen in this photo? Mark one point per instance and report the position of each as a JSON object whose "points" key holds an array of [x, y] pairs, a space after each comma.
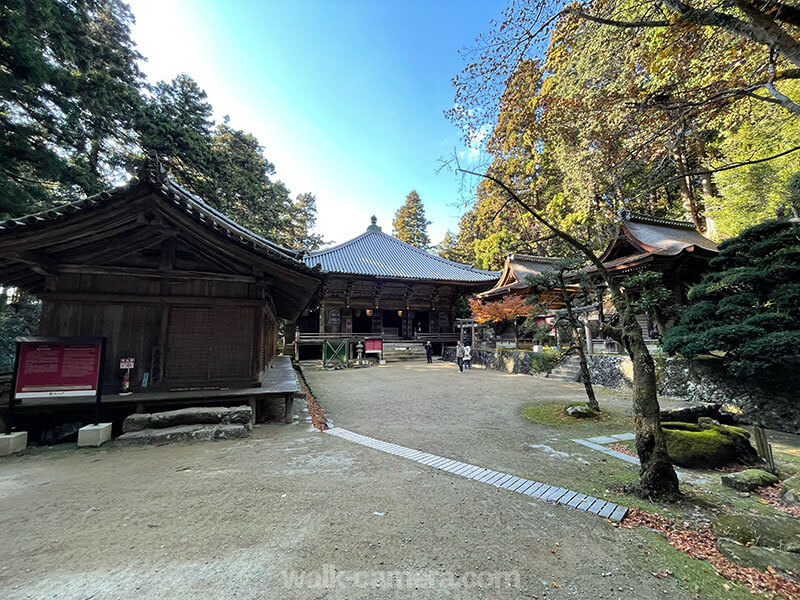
{"points": [[253, 410], [288, 411], [588, 330], [322, 318]]}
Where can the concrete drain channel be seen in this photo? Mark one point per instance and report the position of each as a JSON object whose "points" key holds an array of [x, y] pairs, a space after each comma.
{"points": [[520, 485]]}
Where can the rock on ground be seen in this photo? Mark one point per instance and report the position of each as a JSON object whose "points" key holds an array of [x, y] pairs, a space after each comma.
{"points": [[749, 480], [759, 558], [208, 415], [183, 434], [779, 532], [790, 491], [579, 411]]}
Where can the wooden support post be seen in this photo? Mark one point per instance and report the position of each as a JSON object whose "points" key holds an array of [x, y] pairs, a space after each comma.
{"points": [[288, 412], [253, 410]]}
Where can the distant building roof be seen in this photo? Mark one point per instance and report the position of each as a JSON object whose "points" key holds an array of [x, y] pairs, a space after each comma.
{"points": [[376, 254], [515, 272], [641, 236]]}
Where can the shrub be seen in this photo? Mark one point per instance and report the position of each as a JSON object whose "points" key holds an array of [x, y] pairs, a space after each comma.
{"points": [[542, 362], [755, 295]]}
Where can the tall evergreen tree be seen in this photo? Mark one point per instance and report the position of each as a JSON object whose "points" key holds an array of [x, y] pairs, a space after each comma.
{"points": [[69, 92], [409, 224], [302, 218], [176, 123]]}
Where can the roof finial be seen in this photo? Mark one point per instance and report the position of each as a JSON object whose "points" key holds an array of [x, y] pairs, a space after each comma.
{"points": [[373, 224]]}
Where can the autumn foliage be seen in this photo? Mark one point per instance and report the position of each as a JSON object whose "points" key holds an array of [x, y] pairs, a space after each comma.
{"points": [[508, 309]]}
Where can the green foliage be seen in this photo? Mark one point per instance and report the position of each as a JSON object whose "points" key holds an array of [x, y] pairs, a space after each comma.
{"points": [[543, 362], [69, 96], [747, 309], [19, 316], [75, 112], [409, 224], [653, 298]]}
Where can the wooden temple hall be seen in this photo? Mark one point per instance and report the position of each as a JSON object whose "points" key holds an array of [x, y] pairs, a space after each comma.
{"points": [[379, 287], [168, 280], [675, 249]]}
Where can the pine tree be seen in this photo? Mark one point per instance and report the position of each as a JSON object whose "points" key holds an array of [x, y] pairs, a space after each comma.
{"points": [[410, 225]]}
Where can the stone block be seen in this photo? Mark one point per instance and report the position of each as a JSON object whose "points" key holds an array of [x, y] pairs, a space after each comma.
{"points": [[13, 442], [195, 415], [183, 434], [94, 435]]}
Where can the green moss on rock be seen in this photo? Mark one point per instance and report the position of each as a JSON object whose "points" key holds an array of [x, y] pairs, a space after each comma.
{"points": [[699, 449], [782, 533], [758, 557], [749, 480], [680, 425], [708, 444]]}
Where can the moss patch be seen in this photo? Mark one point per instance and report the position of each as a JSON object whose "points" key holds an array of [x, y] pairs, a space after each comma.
{"points": [[780, 532], [696, 576], [554, 413], [699, 449]]}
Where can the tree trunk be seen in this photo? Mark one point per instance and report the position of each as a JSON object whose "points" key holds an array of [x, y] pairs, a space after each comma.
{"points": [[575, 324], [585, 375], [685, 186], [657, 478]]}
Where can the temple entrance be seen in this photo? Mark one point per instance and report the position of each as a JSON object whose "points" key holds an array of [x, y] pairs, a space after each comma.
{"points": [[421, 322], [392, 322], [362, 322]]}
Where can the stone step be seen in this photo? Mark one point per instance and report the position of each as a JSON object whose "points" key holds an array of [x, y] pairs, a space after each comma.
{"points": [[183, 434], [194, 415]]}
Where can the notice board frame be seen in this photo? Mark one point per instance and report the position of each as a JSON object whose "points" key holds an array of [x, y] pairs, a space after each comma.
{"points": [[97, 392]]}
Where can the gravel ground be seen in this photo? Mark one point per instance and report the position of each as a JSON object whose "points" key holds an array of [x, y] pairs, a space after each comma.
{"points": [[475, 417], [235, 519]]}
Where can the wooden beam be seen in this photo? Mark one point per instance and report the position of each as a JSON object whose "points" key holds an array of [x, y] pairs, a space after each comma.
{"points": [[171, 274], [87, 298]]}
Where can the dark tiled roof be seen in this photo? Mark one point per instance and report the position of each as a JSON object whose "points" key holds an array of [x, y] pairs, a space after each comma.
{"points": [[665, 236], [154, 174], [516, 270], [377, 254]]}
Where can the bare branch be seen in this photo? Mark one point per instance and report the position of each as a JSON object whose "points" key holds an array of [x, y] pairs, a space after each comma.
{"points": [[614, 23]]}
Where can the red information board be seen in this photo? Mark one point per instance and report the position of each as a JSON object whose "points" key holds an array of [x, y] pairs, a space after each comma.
{"points": [[57, 367]]}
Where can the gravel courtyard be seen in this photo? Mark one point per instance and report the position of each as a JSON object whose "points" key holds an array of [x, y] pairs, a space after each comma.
{"points": [[239, 519]]}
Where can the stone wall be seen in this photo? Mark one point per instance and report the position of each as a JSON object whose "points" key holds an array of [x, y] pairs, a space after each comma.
{"points": [[772, 403], [500, 359]]}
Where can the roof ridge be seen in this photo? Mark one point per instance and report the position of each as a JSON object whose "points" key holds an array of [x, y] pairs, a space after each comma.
{"points": [[342, 245], [532, 258], [434, 256], [401, 243], [627, 215]]}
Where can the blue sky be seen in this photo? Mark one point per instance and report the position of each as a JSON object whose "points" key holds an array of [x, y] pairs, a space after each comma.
{"points": [[347, 97]]}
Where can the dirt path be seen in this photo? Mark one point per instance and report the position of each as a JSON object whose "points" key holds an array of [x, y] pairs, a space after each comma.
{"points": [[232, 519]]}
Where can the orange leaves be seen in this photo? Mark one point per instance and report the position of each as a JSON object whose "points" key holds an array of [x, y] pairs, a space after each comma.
{"points": [[507, 309]]}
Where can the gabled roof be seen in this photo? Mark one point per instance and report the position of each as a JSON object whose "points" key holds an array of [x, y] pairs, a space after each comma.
{"points": [[376, 254], [640, 234], [109, 219], [516, 270]]}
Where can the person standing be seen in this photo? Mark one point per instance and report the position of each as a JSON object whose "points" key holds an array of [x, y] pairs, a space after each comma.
{"points": [[429, 351], [468, 357], [460, 356]]}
